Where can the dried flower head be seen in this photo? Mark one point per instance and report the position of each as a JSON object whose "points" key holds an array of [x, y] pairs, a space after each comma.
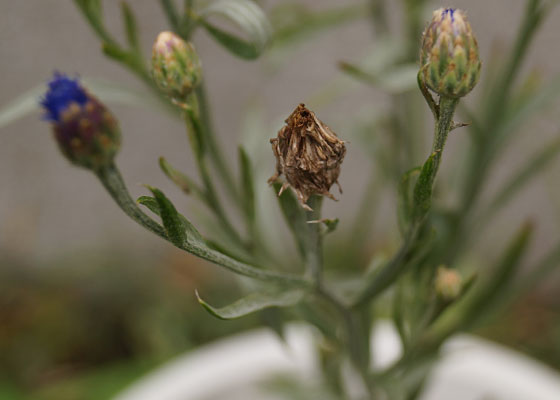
{"points": [[309, 154], [85, 130], [449, 61]]}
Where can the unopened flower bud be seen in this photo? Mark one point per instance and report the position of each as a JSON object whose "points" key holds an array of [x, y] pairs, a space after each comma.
{"points": [[449, 61], [175, 66], [86, 132], [448, 283], [309, 154]]}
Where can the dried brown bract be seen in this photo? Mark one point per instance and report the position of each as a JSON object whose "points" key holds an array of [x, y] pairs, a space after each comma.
{"points": [[309, 154]]}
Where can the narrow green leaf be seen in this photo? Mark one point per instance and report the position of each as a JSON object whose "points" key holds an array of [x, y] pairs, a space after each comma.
{"points": [[115, 52], [149, 202], [543, 98], [255, 302], [522, 176], [331, 224], [248, 17], [131, 28], [93, 13], [247, 184], [22, 106], [171, 13], [274, 318], [294, 22], [196, 245], [395, 80], [504, 273], [294, 216], [423, 188], [108, 92], [405, 203], [179, 229], [481, 301], [170, 217], [185, 183], [237, 46]]}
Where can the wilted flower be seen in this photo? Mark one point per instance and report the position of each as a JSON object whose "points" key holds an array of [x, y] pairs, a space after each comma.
{"points": [[449, 60], [448, 283], [309, 154], [86, 132], [175, 66]]}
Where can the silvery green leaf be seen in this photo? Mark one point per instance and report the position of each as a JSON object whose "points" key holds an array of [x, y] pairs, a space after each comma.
{"points": [[524, 174], [331, 224], [422, 196], [395, 80], [293, 22], [108, 92], [248, 17], [405, 203], [131, 29], [186, 184], [247, 184], [255, 302], [179, 229], [21, 106]]}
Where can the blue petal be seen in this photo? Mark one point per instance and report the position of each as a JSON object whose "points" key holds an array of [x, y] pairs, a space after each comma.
{"points": [[61, 93]]}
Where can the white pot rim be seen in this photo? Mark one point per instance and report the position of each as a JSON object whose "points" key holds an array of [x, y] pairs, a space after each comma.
{"points": [[470, 368]]}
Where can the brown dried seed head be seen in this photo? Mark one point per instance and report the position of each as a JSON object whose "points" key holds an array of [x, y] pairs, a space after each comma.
{"points": [[309, 155]]}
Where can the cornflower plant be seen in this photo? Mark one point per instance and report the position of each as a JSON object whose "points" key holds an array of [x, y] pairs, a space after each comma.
{"points": [[423, 286]]}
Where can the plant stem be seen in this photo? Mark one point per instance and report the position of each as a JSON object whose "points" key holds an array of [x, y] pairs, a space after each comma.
{"points": [[113, 182], [399, 262], [198, 139], [447, 107], [213, 148], [314, 242], [314, 259], [353, 336]]}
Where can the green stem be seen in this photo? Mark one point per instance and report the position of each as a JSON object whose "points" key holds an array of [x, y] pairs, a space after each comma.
{"points": [[400, 261], [241, 268], [314, 259], [113, 182], [447, 107], [390, 271], [198, 143], [359, 354], [171, 14], [213, 148], [314, 253]]}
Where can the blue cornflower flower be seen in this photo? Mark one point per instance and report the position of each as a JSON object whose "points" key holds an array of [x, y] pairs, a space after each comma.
{"points": [[85, 130], [61, 93]]}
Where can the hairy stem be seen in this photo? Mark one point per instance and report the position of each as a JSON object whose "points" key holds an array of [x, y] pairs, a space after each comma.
{"points": [[198, 139], [314, 243], [112, 180]]}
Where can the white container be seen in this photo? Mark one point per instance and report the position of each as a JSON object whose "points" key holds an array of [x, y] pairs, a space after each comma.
{"points": [[232, 368]]}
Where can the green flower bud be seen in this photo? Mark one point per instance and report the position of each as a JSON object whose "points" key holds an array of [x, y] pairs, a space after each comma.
{"points": [[175, 66], [85, 130], [448, 283], [449, 61]]}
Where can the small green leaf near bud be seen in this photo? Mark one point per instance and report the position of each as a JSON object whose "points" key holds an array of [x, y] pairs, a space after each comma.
{"points": [[449, 60], [175, 66]]}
